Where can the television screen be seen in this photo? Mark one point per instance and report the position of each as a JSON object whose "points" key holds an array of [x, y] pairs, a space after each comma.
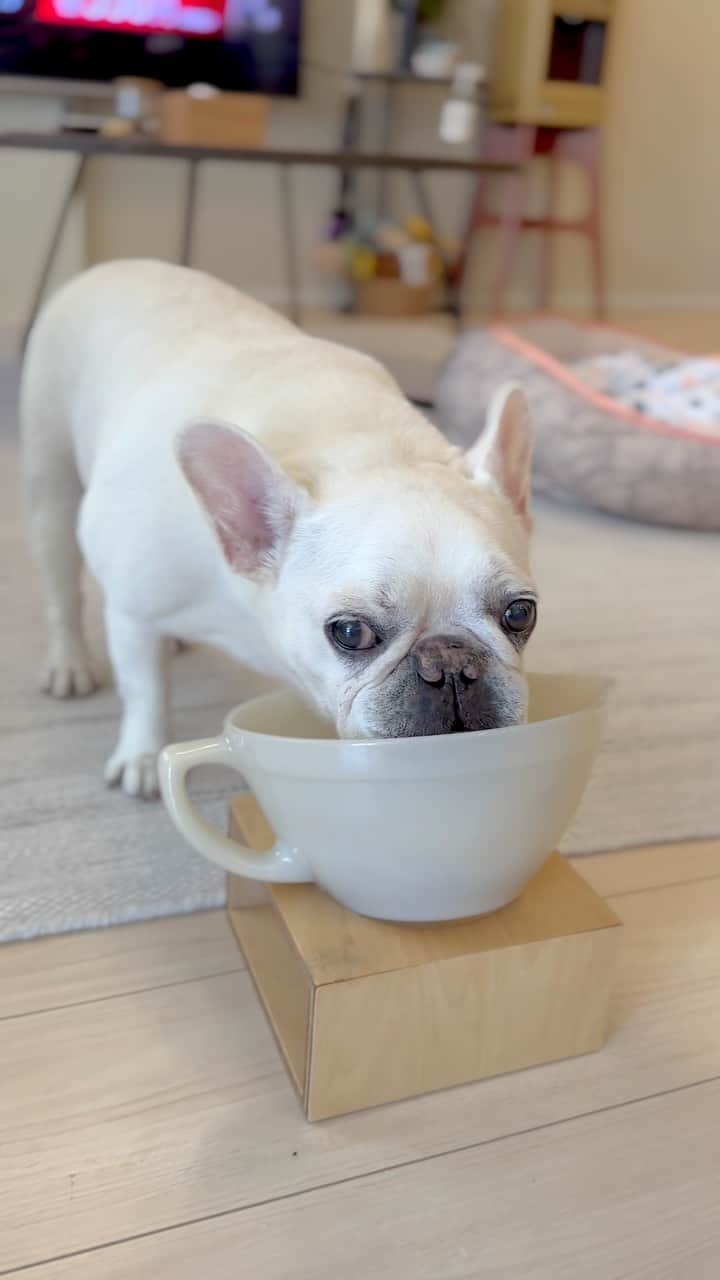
{"points": [[245, 45]]}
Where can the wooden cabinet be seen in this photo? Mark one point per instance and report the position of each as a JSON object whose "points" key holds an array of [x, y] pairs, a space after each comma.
{"points": [[550, 60]]}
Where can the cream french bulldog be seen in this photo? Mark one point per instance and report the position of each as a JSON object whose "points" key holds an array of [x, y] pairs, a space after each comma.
{"points": [[233, 481]]}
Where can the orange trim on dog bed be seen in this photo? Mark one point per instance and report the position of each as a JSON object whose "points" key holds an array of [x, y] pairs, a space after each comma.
{"points": [[557, 370]]}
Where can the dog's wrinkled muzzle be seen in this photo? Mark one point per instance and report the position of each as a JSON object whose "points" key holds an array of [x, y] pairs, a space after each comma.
{"points": [[445, 684]]}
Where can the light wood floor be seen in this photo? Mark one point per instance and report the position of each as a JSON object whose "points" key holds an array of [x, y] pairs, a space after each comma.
{"points": [[148, 1130]]}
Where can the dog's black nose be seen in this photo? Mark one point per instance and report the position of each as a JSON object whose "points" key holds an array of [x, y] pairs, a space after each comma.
{"points": [[446, 658]]}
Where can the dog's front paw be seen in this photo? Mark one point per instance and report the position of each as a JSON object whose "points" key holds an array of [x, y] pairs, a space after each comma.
{"points": [[71, 677], [136, 775]]}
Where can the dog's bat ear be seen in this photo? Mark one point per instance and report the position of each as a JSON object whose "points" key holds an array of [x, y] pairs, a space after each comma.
{"points": [[250, 502], [505, 446]]}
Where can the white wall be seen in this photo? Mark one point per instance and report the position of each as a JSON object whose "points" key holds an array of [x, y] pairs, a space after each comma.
{"points": [[32, 188], [663, 158]]}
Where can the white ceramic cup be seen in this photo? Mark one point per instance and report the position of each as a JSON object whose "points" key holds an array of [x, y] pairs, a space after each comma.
{"points": [[433, 828]]}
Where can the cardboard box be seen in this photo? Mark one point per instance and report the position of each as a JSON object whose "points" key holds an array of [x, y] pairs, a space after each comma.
{"points": [[222, 120]]}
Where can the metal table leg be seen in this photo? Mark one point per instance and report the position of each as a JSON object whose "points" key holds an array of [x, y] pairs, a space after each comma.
{"points": [[385, 138], [53, 246], [452, 297], [349, 141], [189, 221], [288, 217]]}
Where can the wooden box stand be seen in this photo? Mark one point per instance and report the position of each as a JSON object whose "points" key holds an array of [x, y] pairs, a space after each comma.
{"points": [[366, 1012]]}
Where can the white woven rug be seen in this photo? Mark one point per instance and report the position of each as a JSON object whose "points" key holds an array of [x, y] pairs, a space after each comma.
{"points": [[640, 604]]}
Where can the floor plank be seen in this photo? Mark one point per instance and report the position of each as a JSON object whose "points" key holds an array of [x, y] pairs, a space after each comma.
{"points": [[632, 870], [136, 1114], [627, 1195], [50, 973]]}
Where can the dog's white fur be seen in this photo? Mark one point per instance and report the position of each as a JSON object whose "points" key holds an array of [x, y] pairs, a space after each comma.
{"points": [[324, 492]]}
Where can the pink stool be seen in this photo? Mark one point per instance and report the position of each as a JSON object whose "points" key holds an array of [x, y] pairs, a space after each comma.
{"points": [[518, 144]]}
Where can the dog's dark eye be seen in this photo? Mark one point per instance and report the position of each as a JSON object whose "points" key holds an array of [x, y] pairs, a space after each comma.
{"points": [[520, 616], [352, 634]]}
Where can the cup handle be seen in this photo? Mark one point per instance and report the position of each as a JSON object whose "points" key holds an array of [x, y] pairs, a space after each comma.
{"points": [[280, 864]]}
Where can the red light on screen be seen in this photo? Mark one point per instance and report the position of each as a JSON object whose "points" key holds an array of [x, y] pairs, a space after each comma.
{"points": [[185, 17]]}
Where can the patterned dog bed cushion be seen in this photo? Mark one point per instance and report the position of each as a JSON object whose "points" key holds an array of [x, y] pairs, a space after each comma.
{"points": [[589, 448]]}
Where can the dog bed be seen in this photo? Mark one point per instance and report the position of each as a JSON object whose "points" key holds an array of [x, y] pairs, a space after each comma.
{"points": [[590, 446]]}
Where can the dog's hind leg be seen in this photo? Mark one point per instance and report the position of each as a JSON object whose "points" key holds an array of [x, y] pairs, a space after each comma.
{"points": [[53, 492]]}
